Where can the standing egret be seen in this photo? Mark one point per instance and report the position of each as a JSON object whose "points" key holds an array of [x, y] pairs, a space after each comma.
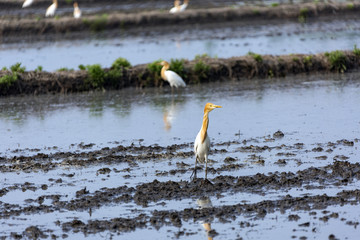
{"points": [[202, 141], [176, 7], [172, 77], [77, 11], [27, 3], [184, 5], [50, 11]]}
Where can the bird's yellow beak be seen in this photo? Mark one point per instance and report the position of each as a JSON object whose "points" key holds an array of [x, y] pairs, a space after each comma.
{"points": [[217, 106]]}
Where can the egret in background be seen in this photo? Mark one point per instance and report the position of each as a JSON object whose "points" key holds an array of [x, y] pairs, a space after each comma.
{"points": [[202, 141], [176, 7], [172, 77], [184, 5], [27, 3], [77, 11], [50, 11]]}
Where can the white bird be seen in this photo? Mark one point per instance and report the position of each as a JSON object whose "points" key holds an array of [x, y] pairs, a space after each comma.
{"points": [[27, 3], [184, 5], [50, 11], [172, 77], [77, 11], [176, 7], [202, 141]]}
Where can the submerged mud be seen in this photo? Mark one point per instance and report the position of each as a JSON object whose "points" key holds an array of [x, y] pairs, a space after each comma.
{"points": [[337, 174], [213, 70], [11, 29]]}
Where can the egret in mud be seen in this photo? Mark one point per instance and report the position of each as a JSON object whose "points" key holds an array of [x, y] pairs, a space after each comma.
{"points": [[176, 7], [202, 141], [77, 11], [50, 11], [27, 3], [172, 77], [184, 5]]}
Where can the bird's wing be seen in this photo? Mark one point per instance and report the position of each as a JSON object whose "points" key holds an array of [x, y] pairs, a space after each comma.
{"points": [[174, 79], [50, 11], [27, 3]]}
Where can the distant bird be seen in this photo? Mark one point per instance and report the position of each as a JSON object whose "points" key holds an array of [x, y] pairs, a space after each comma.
{"points": [[184, 5], [176, 7], [202, 141], [77, 11], [27, 3], [172, 77], [50, 11]]}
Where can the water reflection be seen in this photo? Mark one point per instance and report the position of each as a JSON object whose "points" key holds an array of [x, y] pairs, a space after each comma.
{"points": [[205, 202], [170, 112]]}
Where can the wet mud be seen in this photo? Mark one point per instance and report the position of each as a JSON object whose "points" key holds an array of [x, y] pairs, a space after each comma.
{"points": [[149, 21], [337, 173], [139, 76]]}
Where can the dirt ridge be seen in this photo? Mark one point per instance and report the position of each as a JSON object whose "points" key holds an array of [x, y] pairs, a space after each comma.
{"points": [[214, 69]]}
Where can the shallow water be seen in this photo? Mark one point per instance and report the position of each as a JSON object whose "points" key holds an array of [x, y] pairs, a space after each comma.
{"points": [[310, 110], [269, 37]]}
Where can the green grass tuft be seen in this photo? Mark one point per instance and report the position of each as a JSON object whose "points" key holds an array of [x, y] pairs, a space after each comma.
{"points": [[258, 58], [9, 79], [356, 51], [98, 24], [39, 69], [337, 60], [275, 4], [96, 76], [121, 63]]}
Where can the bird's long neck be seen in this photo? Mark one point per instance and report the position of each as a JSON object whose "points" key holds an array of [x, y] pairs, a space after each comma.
{"points": [[163, 69], [205, 124], [55, 2]]}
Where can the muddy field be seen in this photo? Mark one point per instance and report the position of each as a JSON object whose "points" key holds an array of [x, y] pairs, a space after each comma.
{"points": [[115, 163], [150, 201]]}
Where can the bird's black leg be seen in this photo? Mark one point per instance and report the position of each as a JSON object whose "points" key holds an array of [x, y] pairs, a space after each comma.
{"points": [[194, 172]]}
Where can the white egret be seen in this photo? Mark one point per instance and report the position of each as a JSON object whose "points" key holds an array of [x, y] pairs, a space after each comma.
{"points": [[176, 7], [202, 141], [50, 11], [172, 77], [77, 11], [184, 5], [27, 3]]}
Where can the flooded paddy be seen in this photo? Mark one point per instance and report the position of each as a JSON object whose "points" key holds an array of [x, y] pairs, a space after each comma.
{"points": [[223, 41], [117, 164]]}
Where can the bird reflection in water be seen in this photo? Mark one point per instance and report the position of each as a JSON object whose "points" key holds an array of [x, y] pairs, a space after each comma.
{"points": [[170, 112], [205, 202]]}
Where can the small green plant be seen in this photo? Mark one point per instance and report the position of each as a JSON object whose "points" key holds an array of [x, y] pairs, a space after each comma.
{"points": [[65, 69], [96, 76], [356, 51], [303, 15], [16, 68], [155, 73], [82, 67], [270, 73], [258, 58], [201, 70], [98, 24], [7, 80], [337, 60], [350, 6], [275, 4], [121, 63], [201, 56], [39, 69], [307, 60], [177, 65], [296, 59]]}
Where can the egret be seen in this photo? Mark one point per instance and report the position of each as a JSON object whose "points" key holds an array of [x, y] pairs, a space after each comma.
{"points": [[176, 7], [77, 11], [172, 77], [50, 11], [202, 141], [27, 3], [184, 5]]}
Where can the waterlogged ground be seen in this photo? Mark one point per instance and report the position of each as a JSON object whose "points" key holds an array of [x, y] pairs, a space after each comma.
{"points": [[223, 41], [284, 162]]}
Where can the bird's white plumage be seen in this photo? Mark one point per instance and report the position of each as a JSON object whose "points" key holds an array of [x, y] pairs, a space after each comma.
{"points": [[174, 79], [77, 12], [201, 150], [50, 11], [174, 10], [27, 3], [183, 7]]}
